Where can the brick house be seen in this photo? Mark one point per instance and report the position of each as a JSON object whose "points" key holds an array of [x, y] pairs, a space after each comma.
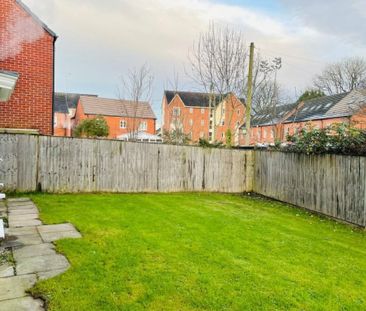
{"points": [[64, 109], [123, 116], [319, 113], [27, 52], [191, 112]]}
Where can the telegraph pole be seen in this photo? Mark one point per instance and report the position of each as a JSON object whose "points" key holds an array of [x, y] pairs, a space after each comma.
{"points": [[249, 95]]}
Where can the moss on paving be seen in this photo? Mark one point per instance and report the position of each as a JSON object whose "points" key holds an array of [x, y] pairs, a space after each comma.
{"points": [[202, 252]]}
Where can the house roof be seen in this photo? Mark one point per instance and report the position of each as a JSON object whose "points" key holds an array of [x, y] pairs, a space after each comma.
{"points": [[272, 116], [65, 101], [116, 107], [349, 105], [194, 99], [317, 108], [36, 18]]}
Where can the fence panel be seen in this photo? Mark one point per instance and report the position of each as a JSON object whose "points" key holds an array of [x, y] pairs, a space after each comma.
{"points": [[329, 184]]}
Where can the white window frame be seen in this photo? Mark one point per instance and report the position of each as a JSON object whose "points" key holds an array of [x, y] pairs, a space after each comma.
{"points": [[122, 124], [143, 126], [202, 110], [191, 122], [176, 111], [190, 110]]}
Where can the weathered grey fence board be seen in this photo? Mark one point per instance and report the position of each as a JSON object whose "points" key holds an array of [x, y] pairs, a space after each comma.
{"points": [[330, 184], [55, 164], [18, 170]]}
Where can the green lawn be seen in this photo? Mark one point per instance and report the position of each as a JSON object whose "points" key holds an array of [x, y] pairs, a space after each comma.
{"points": [[202, 252]]}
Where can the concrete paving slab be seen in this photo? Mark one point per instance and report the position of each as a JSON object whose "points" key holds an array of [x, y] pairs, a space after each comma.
{"points": [[26, 211], [51, 274], [26, 217], [21, 207], [12, 200], [6, 270], [22, 304], [15, 287], [56, 228], [54, 236], [34, 251], [21, 231], [22, 240], [25, 223], [41, 264]]}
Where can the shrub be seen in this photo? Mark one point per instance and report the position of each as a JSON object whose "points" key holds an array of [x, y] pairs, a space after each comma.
{"points": [[92, 128], [229, 138], [206, 144], [339, 138]]}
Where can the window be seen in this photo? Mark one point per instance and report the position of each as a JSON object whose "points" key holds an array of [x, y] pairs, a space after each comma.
{"points": [[222, 135], [222, 122], [190, 110], [176, 111], [123, 124], [202, 110], [210, 135], [202, 122], [190, 122], [143, 126], [272, 133], [202, 134], [238, 111]]}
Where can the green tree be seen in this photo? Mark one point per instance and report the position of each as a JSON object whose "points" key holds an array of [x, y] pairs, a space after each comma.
{"points": [[92, 128], [311, 94]]}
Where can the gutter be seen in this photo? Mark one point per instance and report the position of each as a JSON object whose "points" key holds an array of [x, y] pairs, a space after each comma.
{"points": [[53, 86]]}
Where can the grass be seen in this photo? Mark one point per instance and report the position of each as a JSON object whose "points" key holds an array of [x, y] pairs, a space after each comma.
{"points": [[202, 252]]}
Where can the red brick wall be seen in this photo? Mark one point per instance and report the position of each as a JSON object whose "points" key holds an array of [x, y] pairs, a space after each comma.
{"points": [[114, 123], [234, 117], [195, 120], [30, 106]]}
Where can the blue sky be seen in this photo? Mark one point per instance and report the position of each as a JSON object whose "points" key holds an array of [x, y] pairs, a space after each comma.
{"points": [[265, 5], [100, 40]]}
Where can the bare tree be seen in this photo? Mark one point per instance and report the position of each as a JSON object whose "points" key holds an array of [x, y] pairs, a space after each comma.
{"points": [[177, 134], [342, 76], [136, 87], [218, 63]]}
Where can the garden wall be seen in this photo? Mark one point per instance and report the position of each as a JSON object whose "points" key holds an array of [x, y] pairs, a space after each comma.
{"points": [[56, 164], [329, 184]]}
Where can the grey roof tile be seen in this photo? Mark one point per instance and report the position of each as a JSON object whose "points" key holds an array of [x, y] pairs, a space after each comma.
{"points": [[317, 108], [195, 99]]}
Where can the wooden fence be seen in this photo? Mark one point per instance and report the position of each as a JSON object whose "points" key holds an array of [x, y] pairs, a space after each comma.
{"points": [[329, 184], [54, 164]]}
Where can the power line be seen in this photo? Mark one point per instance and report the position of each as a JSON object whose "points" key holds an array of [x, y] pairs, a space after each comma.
{"points": [[291, 56]]}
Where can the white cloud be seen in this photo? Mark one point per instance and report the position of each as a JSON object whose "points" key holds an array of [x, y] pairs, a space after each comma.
{"points": [[99, 40]]}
